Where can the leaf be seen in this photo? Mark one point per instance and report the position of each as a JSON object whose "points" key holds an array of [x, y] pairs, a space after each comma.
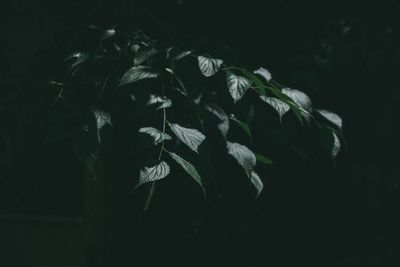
{"points": [[179, 55], [190, 137], [135, 74], [144, 54], [258, 184], [153, 173], [242, 125], [264, 73], [101, 120], [263, 159], [336, 145], [159, 101], [237, 85], [244, 156], [189, 168], [332, 117], [298, 97], [280, 106], [156, 134], [209, 66], [219, 117]]}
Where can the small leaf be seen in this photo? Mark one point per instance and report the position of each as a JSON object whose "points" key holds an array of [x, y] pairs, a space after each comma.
{"points": [[209, 66], [190, 137], [102, 119], [244, 156], [237, 85], [189, 168], [144, 54], [181, 54], [264, 73], [153, 173], [263, 159], [298, 97], [332, 117], [336, 145], [277, 104], [258, 184], [156, 134], [135, 74], [159, 101], [219, 117], [242, 125]]}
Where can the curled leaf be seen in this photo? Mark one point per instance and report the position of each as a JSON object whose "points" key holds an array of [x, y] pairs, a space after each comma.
{"points": [[264, 73], [159, 101], [258, 184], [332, 117]]}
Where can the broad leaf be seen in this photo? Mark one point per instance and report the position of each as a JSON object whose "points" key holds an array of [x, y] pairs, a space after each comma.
{"points": [[155, 134], [264, 73], [242, 125], [209, 66], [258, 184], [298, 97], [219, 117], [277, 104], [263, 159], [190, 137], [189, 168], [332, 117], [135, 74], [237, 85], [153, 173], [159, 101], [144, 54], [244, 156]]}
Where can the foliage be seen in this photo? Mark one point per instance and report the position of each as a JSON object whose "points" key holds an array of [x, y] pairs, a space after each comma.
{"points": [[190, 109]]}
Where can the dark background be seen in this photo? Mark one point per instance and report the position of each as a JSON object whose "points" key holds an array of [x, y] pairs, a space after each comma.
{"points": [[343, 55]]}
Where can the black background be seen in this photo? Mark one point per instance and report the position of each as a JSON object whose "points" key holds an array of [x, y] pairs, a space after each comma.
{"points": [[343, 54]]}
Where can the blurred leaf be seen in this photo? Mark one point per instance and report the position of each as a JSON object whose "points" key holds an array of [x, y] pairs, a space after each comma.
{"points": [[263, 159], [156, 134], [135, 74], [219, 117], [264, 73], [277, 104], [190, 137], [298, 97], [258, 184], [159, 101], [244, 156], [332, 117], [144, 54], [189, 168], [209, 66], [242, 125], [237, 85], [336, 145]]}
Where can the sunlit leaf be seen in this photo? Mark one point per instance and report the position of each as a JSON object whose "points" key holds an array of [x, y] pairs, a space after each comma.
{"points": [[264, 73], [258, 184], [159, 101], [332, 117], [336, 145], [298, 97], [189, 168], [190, 137], [280, 106], [153, 173], [209, 66], [244, 156], [155, 134], [135, 74], [237, 85]]}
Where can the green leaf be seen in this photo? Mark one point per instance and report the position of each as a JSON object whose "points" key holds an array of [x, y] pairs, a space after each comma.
{"points": [[219, 117], [153, 173], [156, 134], [263, 159], [332, 117], [144, 54], [280, 106], [298, 97], [135, 74], [190, 137], [237, 85], [189, 168], [176, 55], [264, 73], [209, 66], [242, 125], [244, 156], [159, 101], [258, 184]]}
